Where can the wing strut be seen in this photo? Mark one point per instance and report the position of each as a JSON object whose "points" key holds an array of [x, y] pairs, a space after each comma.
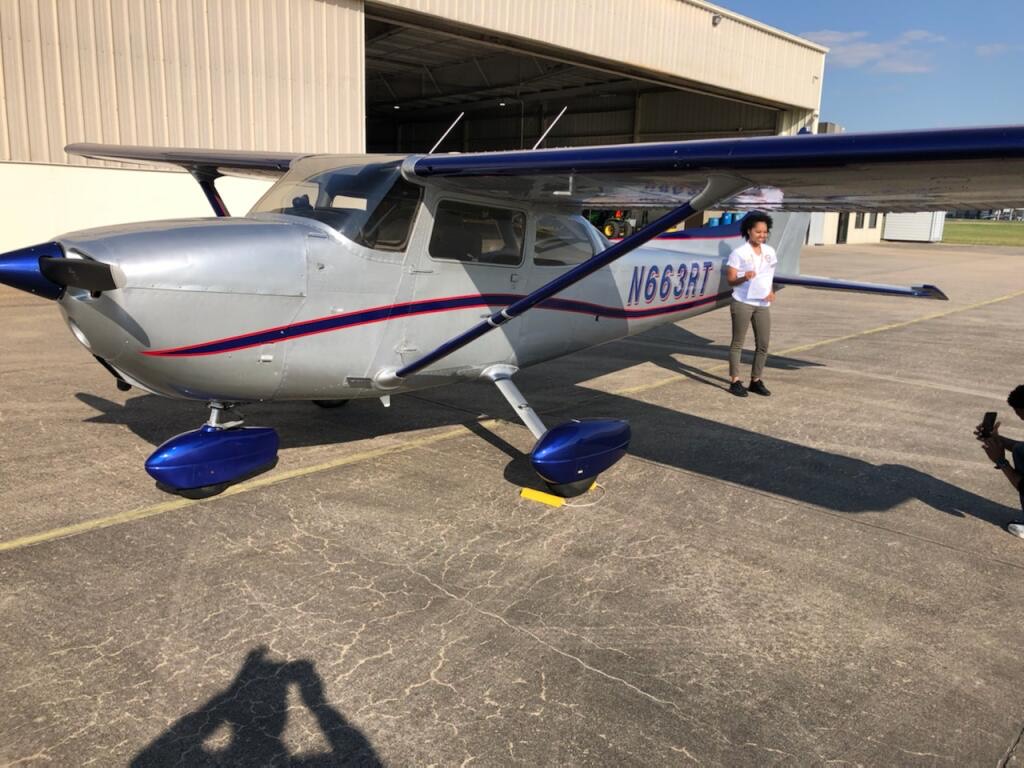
{"points": [[206, 178], [718, 187]]}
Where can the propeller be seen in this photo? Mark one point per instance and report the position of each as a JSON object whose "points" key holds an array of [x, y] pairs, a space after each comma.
{"points": [[45, 271], [79, 273]]}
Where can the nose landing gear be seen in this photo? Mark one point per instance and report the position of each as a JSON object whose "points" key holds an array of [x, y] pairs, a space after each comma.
{"points": [[206, 461]]}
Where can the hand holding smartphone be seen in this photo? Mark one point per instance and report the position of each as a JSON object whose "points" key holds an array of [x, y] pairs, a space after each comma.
{"points": [[985, 430]]}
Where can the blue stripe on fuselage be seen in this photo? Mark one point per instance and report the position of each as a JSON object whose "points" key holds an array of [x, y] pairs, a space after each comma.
{"points": [[395, 311]]}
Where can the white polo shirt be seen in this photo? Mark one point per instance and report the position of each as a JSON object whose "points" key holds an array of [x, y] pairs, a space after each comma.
{"points": [[744, 260]]}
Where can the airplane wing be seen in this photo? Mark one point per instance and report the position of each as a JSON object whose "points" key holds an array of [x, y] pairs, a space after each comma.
{"points": [[965, 168], [968, 168], [217, 162]]}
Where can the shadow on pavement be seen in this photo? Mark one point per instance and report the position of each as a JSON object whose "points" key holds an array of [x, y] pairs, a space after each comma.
{"points": [[244, 724], [673, 438]]}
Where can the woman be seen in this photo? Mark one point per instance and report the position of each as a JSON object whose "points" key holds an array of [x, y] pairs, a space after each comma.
{"points": [[749, 271]]}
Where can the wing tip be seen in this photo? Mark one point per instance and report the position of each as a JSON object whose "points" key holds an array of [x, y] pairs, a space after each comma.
{"points": [[930, 292]]}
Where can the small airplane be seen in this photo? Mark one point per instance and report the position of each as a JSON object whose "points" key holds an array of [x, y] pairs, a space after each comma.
{"points": [[361, 276]]}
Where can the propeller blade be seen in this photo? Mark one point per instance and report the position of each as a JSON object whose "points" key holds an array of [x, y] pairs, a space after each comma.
{"points": [[78, 273]]}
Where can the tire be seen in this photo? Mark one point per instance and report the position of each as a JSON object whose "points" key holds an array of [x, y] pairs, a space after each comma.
{"points": [[569, 490], [614, 228]]}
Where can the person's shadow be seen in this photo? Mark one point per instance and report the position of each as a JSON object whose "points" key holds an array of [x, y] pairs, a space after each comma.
{"points": [[251, 714]]}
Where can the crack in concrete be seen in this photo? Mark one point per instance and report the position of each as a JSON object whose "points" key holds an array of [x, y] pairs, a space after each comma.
{"points": [[565, 654], [1010, 751]]}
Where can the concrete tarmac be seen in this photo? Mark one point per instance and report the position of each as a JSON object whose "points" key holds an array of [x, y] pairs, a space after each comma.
{"points": [[819, 577]]}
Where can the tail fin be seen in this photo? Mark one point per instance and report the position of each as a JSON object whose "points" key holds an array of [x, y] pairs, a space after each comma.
{"points": [[789, 232]]}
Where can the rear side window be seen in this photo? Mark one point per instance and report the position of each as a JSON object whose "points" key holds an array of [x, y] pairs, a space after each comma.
{"points": [[476, 233], [561, 241]]}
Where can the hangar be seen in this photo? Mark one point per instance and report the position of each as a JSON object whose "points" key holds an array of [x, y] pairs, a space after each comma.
{"points": [[363, 75]]}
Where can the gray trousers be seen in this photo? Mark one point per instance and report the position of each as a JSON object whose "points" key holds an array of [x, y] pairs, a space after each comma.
{"points": [[1018, 464], [744, 315]]}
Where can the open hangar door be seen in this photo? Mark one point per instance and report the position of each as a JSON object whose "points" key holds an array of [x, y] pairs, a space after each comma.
{"points": [[419, 78]]}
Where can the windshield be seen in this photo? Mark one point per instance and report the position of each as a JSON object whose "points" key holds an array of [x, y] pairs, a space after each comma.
{"points": [[370, 204]]}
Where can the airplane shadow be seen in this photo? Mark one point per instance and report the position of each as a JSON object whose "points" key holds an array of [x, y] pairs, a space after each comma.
{"points": [[251, 715], [681, 440]]}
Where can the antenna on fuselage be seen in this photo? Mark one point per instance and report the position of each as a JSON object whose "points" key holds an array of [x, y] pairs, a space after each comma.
{"points": [[546, 132], [445, 134]]}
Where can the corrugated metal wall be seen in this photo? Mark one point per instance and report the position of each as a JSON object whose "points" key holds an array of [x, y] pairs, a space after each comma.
{"points": [[233, 74], [289, 74], [676, 38]]}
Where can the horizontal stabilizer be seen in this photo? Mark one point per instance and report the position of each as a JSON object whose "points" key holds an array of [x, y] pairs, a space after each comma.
{"points": [[829, 284]]}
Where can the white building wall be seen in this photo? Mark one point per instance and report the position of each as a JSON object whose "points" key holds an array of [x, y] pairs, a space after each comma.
{"points": [[866, 233], [824, 229], [924, 227], [54, 199], [817, 231], [282, 75]]}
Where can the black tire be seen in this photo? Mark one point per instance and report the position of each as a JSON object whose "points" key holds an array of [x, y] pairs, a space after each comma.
{"points": [[615, 228], [569, 490], [330, 403], [203, 492]]}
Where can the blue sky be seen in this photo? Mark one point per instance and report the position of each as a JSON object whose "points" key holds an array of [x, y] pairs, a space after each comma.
{"points": [[905, 64]]}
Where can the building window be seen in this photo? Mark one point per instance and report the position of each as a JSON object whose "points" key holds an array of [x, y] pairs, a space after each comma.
{"points": [[858, 222], [873, 221]]}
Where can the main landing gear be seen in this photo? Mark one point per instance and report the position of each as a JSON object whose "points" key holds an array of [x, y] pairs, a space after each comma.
{"points": [[206, 461], [330, 403], [569, 457]]}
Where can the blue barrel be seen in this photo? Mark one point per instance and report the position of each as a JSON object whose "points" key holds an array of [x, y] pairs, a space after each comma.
{"points": [[713, 221], [726, 218]]}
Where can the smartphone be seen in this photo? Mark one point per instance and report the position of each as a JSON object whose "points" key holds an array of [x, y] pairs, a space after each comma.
{"points": [[987, 423]]}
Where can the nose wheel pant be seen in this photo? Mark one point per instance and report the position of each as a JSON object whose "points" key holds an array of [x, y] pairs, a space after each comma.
{"points": [[743, 316]]}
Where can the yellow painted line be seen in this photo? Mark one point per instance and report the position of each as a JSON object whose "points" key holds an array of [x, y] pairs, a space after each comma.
{"points": [[815, 344], [279, 477], [544, 498], [892, 326], [250, 485]]}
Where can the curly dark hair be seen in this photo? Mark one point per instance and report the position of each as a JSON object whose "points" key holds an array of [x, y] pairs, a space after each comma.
{"points": [[1016, 398], [752, 218]]}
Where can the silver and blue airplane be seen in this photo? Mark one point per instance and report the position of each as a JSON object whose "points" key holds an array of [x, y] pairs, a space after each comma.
{"points": [[361, 276]]}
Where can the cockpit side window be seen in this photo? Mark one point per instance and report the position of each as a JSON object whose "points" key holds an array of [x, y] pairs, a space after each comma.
{"points": [[371, 204], [389, 225], [476, 233], [561, 241]]}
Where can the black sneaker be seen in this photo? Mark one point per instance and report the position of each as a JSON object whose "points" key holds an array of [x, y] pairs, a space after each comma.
{"points": [[737, 389], [758, 388]]}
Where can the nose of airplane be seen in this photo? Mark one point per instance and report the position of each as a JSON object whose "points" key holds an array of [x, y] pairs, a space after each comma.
{"points": [[46, 271], [22, 269]]}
